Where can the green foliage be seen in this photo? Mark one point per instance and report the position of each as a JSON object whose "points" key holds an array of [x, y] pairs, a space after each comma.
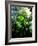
{"points": [[23, 19]]}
